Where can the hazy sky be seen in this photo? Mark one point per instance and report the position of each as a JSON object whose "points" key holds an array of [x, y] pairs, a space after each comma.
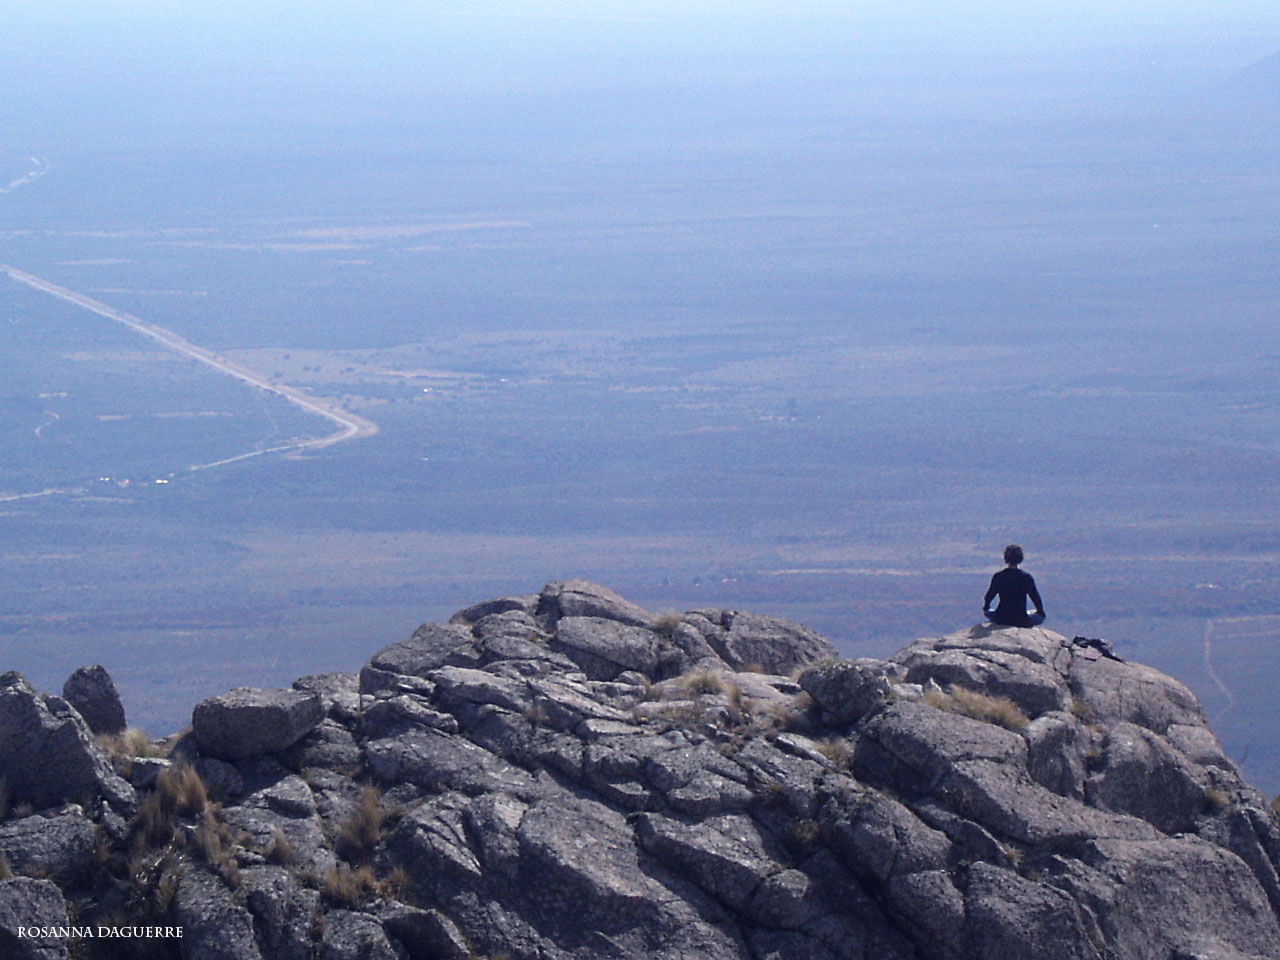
{"points": [[111, 75]]}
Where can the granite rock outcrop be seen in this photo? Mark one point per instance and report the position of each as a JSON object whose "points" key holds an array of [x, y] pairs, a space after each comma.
{"points": [[566, 776]]}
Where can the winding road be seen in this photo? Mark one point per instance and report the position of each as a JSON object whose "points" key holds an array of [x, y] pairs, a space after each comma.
{"points": [[350, 426]]}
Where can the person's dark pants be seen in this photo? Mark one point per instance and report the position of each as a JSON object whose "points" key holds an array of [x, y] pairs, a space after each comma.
{"points": [[1005, 620]]}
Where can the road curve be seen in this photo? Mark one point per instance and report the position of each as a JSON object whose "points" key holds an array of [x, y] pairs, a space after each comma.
{"points": [[350, 425]]}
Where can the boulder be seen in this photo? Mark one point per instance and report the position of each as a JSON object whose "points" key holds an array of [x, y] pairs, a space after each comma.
{"points": [[1056, 748], [329, 745], [477, 612], [247, 722], [1010, 917], [48, 755], [1025, 665], [912, 746], [431, 646], [26, 903], [846, 690], [339, 692], [435, 759], [284, 912], [1140, 774], [222, 780], [59, 847], [768, 644], [354, 936], [93, 693], [881, 838], [1114, 692], [214, 926], [605, 648], [1180, 897], [425, 934], [144, 770], [724, 855], [582, 598]]}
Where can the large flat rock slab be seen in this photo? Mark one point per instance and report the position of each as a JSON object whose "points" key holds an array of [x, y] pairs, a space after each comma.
{"points": [[247, 721]]}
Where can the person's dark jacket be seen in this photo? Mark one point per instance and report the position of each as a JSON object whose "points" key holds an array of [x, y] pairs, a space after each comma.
{"points": [[1013, 586]]}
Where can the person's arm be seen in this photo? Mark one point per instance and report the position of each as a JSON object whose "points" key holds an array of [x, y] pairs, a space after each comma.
{"points": [[1034, 594], [991, 593]]}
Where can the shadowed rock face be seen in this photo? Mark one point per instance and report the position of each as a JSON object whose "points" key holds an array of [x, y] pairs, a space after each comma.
{"points": [[565, 776], [247, 722], [48, 754], [93, 693]]}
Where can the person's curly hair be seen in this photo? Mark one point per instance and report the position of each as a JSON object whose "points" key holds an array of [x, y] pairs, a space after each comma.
{"points": [[1013, 553]]}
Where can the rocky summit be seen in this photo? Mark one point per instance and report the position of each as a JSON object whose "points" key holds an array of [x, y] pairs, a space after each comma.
{"points": [[566, 776]]}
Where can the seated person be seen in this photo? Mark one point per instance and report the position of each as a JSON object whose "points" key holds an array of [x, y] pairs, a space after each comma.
{"points": [[1013, 586]]}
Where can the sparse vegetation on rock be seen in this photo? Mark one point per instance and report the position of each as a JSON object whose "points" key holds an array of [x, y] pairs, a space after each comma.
{"points": [[565, 776]]}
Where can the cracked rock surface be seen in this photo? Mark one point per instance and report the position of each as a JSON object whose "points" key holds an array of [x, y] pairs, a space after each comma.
{"points": [[566, 776]]}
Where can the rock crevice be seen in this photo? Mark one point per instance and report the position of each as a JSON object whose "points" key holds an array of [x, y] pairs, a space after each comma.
{"points": [[566, 776]]}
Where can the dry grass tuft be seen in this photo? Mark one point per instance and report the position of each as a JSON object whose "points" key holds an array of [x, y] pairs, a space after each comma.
{"points": [[1080, 710], [737, 705], [803, 836], [769, 793], [151, 883], [792, 714], [664, 625], [129, 743], [6, 871], [125, 747], [703, 681], [395, 883], [153, 826], [969, 703], [836, 751], [181, 790], [280, 850], [166, 886], [536, 714], [214, 844], [348, 888], [1217, 800], [359, 834]]}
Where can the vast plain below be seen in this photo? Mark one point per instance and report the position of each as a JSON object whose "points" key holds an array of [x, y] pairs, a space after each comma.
{"points": [[718, 310]]}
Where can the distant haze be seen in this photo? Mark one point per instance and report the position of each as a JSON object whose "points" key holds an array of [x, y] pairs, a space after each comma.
{"points": [[802, 308]]}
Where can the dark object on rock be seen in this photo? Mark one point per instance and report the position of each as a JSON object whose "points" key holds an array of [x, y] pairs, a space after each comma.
{"points": [[93, 693], [247, 721], [1103, 647], [47, 754]]}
